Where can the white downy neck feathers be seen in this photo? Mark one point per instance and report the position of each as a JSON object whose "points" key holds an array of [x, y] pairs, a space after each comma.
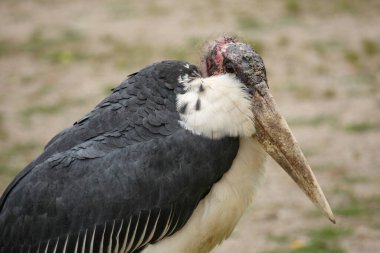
{"points": [[216, 107]]}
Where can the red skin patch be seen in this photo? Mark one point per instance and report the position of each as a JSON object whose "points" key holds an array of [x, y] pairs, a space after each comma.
{"points": [[218, 58]]}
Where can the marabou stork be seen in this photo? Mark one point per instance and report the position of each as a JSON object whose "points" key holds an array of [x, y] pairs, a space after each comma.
{"points": [[166, 164]]}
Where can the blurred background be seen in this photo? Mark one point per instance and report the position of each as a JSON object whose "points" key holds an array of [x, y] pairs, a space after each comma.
{"points": [[58, 59]]}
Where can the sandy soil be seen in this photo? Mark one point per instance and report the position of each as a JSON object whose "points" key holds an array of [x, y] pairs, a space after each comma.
{"points": [[59, 58]]}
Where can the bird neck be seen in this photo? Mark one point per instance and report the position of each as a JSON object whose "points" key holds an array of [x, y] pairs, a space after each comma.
{"points": [[216, 107]]}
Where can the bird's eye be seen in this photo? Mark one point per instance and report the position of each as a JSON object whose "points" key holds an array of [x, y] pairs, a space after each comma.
{"points": [[229, 68]]}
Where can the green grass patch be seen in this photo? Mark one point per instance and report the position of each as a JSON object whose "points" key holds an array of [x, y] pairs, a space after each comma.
{"points": [[363, 83], [194, 41], [356, 179], [120, 10], [361, 127], [370, 47], [178, 53], [333, 121], [70, 46], [363, 207], [126, 55], [329, 93], [344, 6], [323, 119], [359, 206], [123, 54], [257, 45], [107, 89], [321, 240], [62, 104], [351, 210], [15, 157], [324, 48], [66, 47], [310, 150], [293, 7], [351, 56], [66, 55], [42, 109], [247, 22], [8, 171], [3, 131], [187, 51], [331, 167], [301, 91], [279, 238]]}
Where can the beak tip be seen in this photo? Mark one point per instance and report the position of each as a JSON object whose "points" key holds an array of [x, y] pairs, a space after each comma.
{"points": [[332, 218], [328, 212], [323, 205]]}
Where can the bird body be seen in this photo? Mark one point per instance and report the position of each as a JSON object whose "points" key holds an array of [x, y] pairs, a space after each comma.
{"points": [[167, 163]]}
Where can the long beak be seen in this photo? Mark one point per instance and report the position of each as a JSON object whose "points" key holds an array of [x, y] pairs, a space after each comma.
{"points": [[275, 136]]}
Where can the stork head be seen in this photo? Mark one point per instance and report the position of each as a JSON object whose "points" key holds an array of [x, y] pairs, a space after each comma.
{"points": [[228, 55]]}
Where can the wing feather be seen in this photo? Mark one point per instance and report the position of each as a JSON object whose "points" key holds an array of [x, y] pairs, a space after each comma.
{"points": [[92, 241], [84, 243], [117, 239], [124, 246]]}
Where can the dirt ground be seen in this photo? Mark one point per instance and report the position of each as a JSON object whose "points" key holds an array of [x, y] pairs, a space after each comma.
{"points": [[58, 59]]}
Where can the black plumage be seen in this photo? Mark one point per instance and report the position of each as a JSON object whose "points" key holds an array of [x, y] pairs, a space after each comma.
{"points": [[126, 172]]}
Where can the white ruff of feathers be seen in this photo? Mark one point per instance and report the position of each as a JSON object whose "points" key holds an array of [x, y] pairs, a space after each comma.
{"points": [[224, 107]]}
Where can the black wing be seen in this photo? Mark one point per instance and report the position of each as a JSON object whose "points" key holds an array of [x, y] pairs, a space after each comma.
{"points": [[124, 176]]}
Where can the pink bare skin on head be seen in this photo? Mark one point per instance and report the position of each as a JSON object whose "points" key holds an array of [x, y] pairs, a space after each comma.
{"points": [[212, 62], [227, 55]]}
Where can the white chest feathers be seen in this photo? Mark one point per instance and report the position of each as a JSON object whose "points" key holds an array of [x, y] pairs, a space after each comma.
{"points": [[216, 107], [218, 213]]}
